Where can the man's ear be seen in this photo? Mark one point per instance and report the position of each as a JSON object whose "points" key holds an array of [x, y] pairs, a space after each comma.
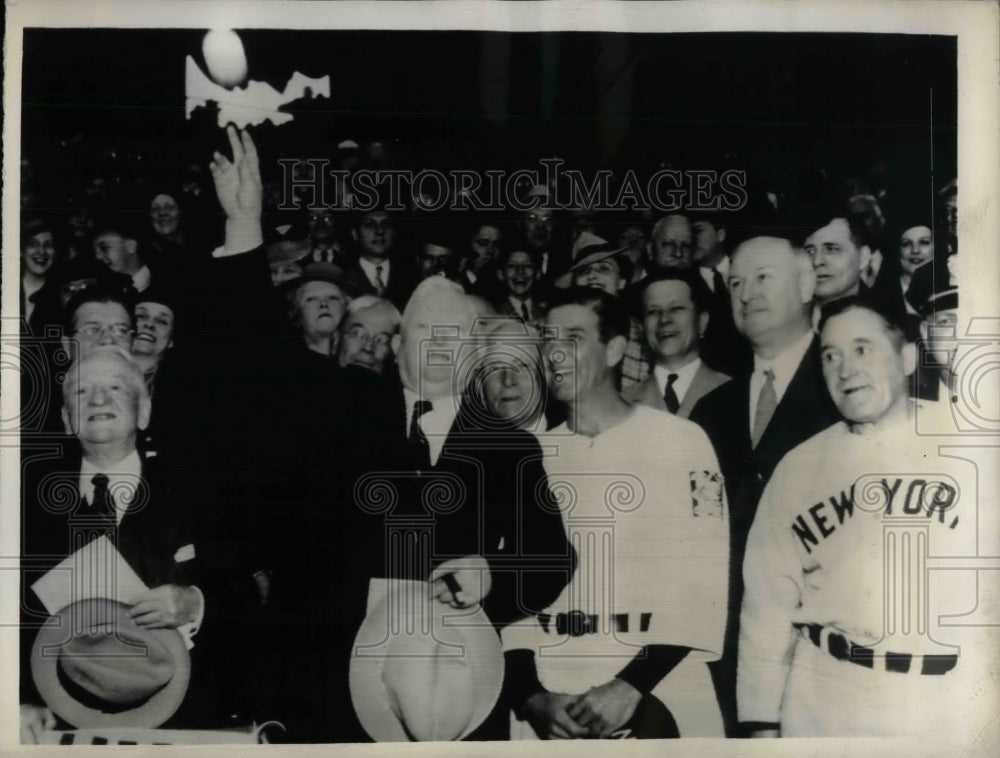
{"points": [[66, 424], [924, 331], [131, 246], [615, 350], [397, 344], [807, 284], [145, 408], [703, 318], [909, 358], [354, 234], [866, 257], [721, 234]]}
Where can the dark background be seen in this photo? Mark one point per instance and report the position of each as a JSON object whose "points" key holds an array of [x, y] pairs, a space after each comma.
{"points": [[786, 107]]}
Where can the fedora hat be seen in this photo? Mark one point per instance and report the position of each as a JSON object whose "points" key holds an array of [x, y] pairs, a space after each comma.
{"points": [[94, 667], [589, 248], [433, 675]]}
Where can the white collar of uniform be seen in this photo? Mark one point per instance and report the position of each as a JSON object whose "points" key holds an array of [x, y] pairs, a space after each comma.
{"points": [[685, 375], [123, 477], [140, 279], [785, 364], [369, 268]]}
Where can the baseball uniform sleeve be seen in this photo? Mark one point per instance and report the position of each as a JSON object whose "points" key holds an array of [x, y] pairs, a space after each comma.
{"points": [[771, 573], [693, 573]]}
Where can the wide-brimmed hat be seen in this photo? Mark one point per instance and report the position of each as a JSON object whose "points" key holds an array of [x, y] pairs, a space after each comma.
{"points": [[321, 272], [95, 667], [434, 673], [589, 248]]}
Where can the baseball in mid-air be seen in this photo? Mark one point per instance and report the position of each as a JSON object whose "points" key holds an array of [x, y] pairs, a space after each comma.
{"points": [[224, 57]]}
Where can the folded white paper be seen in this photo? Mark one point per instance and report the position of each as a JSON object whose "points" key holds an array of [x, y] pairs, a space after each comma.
{"points": [[96, 570]]}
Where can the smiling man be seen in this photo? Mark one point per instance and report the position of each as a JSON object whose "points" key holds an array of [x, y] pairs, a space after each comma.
{"points": [[137, 506], [763, 413], [673, 310], [614, 657], [818, 655]]}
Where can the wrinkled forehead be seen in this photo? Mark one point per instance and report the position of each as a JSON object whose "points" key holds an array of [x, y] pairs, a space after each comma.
{"points": [[374, 318], [105, 314], [675, 227], [101, 366], [443, 309], [763, 251], [854, 325]]}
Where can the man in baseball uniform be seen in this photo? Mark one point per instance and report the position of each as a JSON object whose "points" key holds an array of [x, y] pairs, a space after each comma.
{"points": [[840, 630], [622, 651]]}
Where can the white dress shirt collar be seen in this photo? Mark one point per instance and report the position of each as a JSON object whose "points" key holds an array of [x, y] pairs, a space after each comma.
{"points": [[369, 268], [685, 375], [707, 272], [123, 479], [141, 278]]}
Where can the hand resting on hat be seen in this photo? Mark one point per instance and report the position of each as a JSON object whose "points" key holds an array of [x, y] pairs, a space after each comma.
{"points": [[34, 720], [166, 607], [472, 576]]}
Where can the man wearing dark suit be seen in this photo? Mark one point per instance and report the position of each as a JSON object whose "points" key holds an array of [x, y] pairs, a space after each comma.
{"points": [[723, 348], [419, 467], [150, 520], [759, 416], [518, 271], [673, 311], [376, 271]]}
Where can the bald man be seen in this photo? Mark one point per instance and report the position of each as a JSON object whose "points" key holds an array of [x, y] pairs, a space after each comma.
{"points": [[756, 418]]}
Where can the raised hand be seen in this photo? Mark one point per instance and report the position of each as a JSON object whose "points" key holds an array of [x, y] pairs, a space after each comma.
{"points": [[237, 181]]}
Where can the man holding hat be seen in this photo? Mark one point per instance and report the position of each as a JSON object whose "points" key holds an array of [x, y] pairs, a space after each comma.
{"points": [[424, 493], [151, 523]]}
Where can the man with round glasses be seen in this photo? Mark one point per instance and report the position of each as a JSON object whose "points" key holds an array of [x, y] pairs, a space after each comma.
{"points": [[98, 315]]}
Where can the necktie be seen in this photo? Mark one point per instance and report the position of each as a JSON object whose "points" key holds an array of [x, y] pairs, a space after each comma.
{"points": [[669, 396], [417, 439], [379, 281], [524, 312], [767, 401], [104, 504], [719, 284]]}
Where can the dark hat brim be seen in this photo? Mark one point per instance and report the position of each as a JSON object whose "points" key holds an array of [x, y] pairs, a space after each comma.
{"points": [[565, 279], [55, 634]]}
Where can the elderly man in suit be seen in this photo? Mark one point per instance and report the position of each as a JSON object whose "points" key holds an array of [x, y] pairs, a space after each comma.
{"points": [[754, 420], [673, 310], [147, 516], [469, 501]]}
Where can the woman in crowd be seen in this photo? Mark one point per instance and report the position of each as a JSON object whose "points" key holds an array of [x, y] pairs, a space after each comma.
{"points": [[39, 299]]}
